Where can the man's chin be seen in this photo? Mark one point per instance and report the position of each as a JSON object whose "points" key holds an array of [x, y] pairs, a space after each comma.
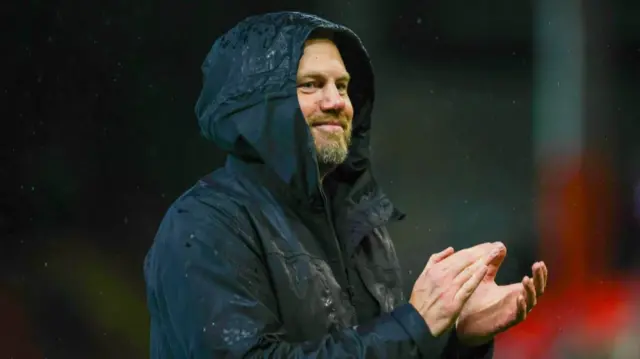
{"points": [[331, 156]]}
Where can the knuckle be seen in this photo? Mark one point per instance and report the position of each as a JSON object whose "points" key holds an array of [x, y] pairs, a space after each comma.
{"points": [[437, 275], [428, 277]]}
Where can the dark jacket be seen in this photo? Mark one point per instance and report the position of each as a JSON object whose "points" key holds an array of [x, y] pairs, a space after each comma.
{"points": [[260, 259]]}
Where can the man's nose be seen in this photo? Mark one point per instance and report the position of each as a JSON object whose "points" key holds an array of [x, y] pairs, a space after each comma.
{"points": [[332, 100]]}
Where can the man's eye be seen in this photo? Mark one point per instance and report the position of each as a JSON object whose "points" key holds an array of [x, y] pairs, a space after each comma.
{"points": [[342, 87], [307, 85]]}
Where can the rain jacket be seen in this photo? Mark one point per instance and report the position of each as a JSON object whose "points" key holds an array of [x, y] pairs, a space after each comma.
{"points": [[260, 259]]}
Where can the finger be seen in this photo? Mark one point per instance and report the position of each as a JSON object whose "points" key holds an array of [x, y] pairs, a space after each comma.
{"points": [[538, 278], [467, 273], [479, 250], [460, 263], [546, 274], [522, 309], [495, 264], [530, 292], [470, 286], [438, 257], [469, 255]]}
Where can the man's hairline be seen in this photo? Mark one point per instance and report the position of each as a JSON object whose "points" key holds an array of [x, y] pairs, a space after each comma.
{"points": [[320, 35]]}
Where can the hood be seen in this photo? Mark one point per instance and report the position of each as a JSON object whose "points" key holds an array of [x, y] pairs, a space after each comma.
{"points": [[249, 106]]}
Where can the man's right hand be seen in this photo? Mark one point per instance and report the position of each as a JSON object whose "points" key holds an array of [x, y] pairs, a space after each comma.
{"points": [[448, 281]]}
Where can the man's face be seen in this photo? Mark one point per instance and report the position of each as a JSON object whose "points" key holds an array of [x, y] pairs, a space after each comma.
{"points": [[322, 93]]}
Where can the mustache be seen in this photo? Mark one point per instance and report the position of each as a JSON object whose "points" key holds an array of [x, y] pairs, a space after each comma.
{"points": [[333, 120]]}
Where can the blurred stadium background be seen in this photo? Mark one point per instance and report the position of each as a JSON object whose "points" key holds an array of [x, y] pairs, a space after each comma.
{"points": [[501, 120]]}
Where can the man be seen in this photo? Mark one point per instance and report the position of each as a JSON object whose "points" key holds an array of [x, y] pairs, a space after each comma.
{"points": [[284, 252]]}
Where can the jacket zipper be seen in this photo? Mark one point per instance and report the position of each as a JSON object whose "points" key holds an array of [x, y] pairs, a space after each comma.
{"points": [[343, 268]]}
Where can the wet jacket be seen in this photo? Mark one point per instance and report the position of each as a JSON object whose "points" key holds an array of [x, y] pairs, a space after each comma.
{"points": [[260, 259]]}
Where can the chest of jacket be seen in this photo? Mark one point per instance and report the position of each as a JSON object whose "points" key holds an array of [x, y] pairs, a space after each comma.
{"points": [[323, 278]]}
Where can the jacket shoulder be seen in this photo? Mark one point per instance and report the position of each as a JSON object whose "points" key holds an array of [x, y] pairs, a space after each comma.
{"points": [[212, 211]]}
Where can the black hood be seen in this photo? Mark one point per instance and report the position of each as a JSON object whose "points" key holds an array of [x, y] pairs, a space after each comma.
{"points": [[249, 106]]}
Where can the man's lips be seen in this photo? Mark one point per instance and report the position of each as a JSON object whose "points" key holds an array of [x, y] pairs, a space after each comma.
{"points": [[330, 127], [329, 123]]}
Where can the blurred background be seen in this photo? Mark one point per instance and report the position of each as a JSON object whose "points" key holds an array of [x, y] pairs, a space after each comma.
{"points": [[501, 120]]}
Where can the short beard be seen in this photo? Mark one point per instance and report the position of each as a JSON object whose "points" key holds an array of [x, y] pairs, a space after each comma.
{"points": [[331, 155], [334, 153]]}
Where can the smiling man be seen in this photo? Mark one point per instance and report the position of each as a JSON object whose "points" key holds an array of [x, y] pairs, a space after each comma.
{"points": [[323, 81], [284, 252]]}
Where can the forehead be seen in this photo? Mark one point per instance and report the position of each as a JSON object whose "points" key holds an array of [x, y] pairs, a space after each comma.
{"points": [[321, 55]]}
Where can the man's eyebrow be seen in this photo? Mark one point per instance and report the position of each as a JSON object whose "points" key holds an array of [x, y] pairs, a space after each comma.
{"points": [[312, 74]]}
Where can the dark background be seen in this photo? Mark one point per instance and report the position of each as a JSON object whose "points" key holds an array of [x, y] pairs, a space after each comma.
{"points": [[495, 120]]}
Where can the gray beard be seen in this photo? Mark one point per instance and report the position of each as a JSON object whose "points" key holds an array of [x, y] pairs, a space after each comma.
{"points": [[332, 155]]}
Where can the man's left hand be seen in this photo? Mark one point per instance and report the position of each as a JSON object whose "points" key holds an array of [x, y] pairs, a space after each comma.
{"points": [[493, 309]]}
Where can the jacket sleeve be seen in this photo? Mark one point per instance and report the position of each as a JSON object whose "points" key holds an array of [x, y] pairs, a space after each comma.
{"points": [[210, 296], [456, 350]]}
